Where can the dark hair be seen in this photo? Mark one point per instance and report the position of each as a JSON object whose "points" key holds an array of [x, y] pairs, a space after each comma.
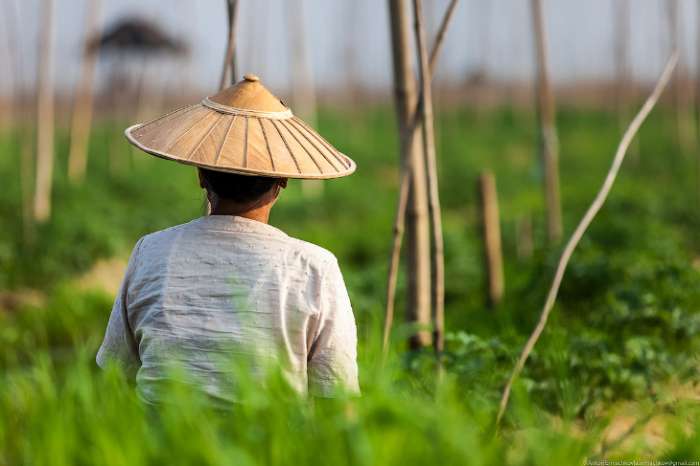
{"points": [[237, 188]]}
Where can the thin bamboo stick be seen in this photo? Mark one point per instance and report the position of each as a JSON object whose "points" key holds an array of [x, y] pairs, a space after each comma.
{"points": [[7, 61], [697, 99], [13, 19], [437, 259], [440, 36], [682, 91], [548, 132], [523, 233], [229, 72], [621, 47], [350, 55], [229, 59], [624, 89], [45, 115], [82, 111], [402, 203], [583, 225]]}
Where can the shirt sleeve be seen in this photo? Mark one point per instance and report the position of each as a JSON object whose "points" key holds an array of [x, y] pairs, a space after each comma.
{"points": [[333, 355], [119, 344]]}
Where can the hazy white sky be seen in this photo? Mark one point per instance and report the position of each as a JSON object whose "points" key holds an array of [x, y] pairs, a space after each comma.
{"points": [[349, 40]]}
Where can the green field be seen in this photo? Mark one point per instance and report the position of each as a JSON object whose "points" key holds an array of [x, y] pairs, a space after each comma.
{"points": [[615, 374]]}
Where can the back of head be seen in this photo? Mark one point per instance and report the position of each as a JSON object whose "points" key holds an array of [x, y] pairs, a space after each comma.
{"points": [[241, 189]]}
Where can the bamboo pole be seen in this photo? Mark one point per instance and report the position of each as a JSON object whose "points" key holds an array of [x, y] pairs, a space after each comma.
{"points": [[20, 113], [229, 72], [583, 225], [548, 133], [437, 265], [682, 91], [479, 79], [697, 61], [350, 56], [229, 65], [491, 237], [621, 57], [440, 36], [45, 115], [142, 101], [408, 136], [7, 61], [150, 97], [120, 96], [82, 109], [416, 213], [524, 240], [624, 84], [23, 133], [697, 99]]}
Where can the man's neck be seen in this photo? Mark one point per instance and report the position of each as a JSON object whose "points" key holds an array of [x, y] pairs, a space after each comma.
{"points": [[260, 214]]}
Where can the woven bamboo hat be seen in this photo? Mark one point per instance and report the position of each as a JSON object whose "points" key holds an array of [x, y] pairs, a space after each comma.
{"points": [[243, 129]]}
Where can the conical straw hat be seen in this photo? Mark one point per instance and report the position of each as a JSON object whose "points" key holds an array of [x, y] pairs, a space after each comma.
{"points": [[243, 129]]}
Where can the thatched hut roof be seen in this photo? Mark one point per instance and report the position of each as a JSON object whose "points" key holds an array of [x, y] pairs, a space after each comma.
{"points": [[137, 36]]}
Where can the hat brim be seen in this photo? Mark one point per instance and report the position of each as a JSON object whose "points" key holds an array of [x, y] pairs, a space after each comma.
{"points": [[246, 144]]}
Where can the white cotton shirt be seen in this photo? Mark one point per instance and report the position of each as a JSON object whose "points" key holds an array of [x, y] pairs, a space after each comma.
{"points": [[222, 288]]}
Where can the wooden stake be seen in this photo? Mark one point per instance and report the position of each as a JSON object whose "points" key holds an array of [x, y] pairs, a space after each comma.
{"points": [[583, 225], [491, 236], [229, 73], [524, 237], [548, 133], [82, 108], [407, 163], [437, 265], [45, 109]]}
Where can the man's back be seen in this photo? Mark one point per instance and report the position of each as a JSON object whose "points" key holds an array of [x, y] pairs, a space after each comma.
{"points": [[222, 288]]}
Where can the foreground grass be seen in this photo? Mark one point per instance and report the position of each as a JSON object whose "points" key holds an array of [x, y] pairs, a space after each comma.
{"points": [[72, 415]]}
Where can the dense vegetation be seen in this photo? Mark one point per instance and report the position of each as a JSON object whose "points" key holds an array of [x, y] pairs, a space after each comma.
{"points": [[626, 328]]}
